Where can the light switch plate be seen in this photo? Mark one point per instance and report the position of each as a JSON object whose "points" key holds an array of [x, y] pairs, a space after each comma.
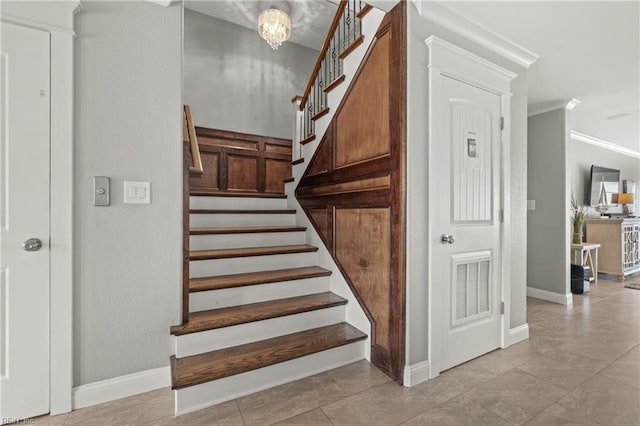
{"points": [[137, 192], [531, 204], [100, 191]]}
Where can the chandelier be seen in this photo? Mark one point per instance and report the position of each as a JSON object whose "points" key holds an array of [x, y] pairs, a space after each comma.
{"points": [[274, 26]]}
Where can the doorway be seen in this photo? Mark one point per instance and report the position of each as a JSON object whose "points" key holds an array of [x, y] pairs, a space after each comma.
{"points": [[468, 115], [24, 223]]}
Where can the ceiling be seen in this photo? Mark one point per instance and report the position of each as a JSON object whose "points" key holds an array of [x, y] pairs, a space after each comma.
{"points": [[310, 19], [589, 50]]}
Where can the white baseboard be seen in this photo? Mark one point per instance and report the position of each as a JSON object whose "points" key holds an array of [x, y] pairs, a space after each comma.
{"points": [[550, 296], [518, 334], [121, 387], [416, 373]]}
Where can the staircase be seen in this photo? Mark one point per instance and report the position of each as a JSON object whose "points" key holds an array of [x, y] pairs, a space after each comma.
{"points": [[259, 310]]}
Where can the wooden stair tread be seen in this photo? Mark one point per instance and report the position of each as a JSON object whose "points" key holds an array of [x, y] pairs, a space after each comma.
{"points": [[354, 44], [201, 368], [324, 111], [335, 83], [308, 139], [250, 251], [245, 230], [242, 314], [253, 278], [365, 9], [210, 193]]}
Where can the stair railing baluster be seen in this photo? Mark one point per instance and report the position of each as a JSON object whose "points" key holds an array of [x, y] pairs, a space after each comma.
{"points": [[328, 66]]}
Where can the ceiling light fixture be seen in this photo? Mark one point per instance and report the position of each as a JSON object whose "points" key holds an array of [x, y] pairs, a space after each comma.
{"points": [[274, 26]]}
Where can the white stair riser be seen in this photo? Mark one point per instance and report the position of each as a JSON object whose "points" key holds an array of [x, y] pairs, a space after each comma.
{"points": [[211, 340], [215, 299], [226, 220], [240, 265], [211, 393], [237, 203], [222, 241]]}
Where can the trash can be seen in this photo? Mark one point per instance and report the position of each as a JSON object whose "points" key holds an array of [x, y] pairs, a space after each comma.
{"points": [[580, 279]]}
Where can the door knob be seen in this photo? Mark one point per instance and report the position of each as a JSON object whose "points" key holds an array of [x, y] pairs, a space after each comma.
{"points": [[447, 239], [32, 244]]}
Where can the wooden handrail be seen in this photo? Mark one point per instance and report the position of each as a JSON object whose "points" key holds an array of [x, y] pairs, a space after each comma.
{"points": [[323, 52], [189, 134]]}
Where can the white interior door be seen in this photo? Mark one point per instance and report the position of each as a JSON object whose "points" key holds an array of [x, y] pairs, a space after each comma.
{"points": [[24, 215], [465, 176]]}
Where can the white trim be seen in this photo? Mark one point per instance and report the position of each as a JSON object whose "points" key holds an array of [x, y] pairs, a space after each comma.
{"points": [[52, 16], [35, 24], [163, 3], [61, 220], [416, 373], [463, 65], [569, 104], [57, 18], [581, 137], [441, 15], [121, 387], [518, 334], [446, 59], [505, 239], [550, 296], [572, 103]]}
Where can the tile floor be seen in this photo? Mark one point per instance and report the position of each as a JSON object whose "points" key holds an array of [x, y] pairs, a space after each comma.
{"points": [[581, 366]]}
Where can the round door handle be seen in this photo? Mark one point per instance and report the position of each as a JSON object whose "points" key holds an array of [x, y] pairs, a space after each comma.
{"points": [[32, 244], [447, 239]]}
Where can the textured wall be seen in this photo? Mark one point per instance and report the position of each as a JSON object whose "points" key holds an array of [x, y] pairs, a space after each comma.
{"points": [[418, 209], [127, 126], [234, 81], [548, 225]]}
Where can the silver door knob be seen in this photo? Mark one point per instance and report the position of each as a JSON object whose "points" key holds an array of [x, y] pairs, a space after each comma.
{"points": [[447, 239], [32, 244]]}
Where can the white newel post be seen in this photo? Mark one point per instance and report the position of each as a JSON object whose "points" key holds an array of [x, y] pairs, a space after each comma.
{"points": [[298, 116]]}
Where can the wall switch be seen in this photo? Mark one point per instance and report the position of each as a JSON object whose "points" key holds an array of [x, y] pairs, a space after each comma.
{"points": [[100, 191], [137, 192], [531, 204]]}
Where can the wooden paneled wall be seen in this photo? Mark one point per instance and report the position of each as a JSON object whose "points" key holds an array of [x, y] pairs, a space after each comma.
{"points": [[353, 190], [240, 162]]}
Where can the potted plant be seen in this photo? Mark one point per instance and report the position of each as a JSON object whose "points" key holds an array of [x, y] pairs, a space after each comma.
{"points": [[578, 213]]}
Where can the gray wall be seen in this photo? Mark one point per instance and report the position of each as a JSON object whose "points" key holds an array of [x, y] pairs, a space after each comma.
{"points": [[234, 81], [127, 126], [582, 156], [418, 209], [548, 225]]}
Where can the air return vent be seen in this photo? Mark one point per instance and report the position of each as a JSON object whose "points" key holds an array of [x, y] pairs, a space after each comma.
{"points": [[471, 293]]}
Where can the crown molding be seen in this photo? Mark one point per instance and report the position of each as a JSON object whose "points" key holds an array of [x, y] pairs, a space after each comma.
{"points": [[569, 104], [604, 144], [441, 15], [163, 3], [572, 103], [50, 16], [433, 42]]}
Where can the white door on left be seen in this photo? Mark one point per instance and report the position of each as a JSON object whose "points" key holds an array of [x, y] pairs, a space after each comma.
{"points": [[24, 216]]}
